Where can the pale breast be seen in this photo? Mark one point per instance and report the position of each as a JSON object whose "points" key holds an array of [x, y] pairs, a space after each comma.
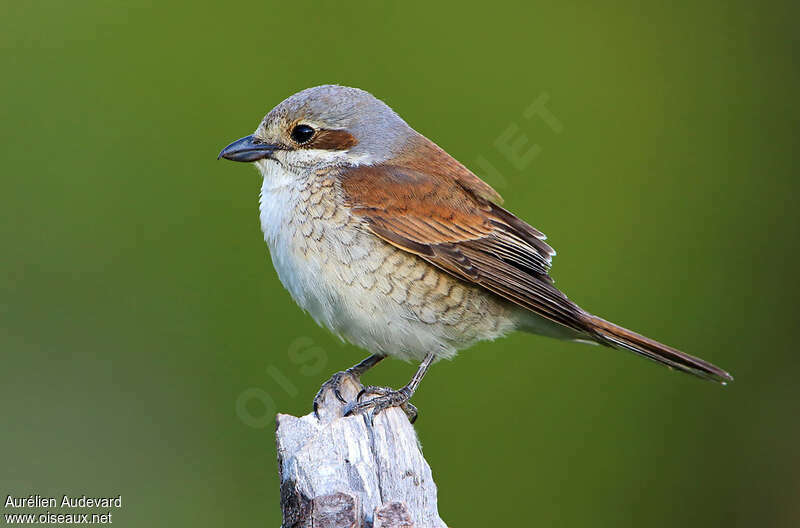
{"points": [[365, 290]]}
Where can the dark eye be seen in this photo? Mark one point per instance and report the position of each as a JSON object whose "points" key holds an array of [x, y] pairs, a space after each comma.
{"points": [[302, 133]]}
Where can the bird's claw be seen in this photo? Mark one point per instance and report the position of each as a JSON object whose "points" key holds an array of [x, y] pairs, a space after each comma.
{"points": [[386, 398], [334, 384]]}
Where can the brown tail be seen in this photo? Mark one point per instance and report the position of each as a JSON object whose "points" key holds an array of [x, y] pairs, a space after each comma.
{"points": [[617, 337]]}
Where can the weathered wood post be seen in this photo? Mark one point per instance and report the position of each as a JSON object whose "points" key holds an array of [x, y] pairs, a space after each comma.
{"points": [[339, 472]]}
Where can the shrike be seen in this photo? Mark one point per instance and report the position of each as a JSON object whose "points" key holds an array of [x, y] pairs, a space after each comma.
{"points": [[395, 246]]}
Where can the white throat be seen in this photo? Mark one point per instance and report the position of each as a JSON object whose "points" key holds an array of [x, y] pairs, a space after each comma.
{"points": [[278, 191]]}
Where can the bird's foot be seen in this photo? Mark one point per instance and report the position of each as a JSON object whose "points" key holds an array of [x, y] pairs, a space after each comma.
{"points": [[334, 385], [386, 398]]}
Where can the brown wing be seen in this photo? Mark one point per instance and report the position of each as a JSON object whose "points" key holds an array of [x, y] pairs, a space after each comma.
{"points": [[440, 211]]}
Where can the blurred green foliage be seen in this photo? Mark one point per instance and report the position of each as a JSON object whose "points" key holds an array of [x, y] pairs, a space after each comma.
{"points": [[138, 303]]}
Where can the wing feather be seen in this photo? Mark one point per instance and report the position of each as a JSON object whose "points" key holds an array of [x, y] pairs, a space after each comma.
{"points": [[436, 217]]}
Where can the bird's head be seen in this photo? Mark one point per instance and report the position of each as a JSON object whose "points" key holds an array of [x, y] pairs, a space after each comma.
{"points": [[324, 127]]}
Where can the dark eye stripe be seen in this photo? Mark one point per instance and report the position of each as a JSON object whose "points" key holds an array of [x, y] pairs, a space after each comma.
{"points": [[332, 140]]}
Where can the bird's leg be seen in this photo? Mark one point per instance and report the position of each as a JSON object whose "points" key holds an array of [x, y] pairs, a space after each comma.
{"points": [[355, 372], [388, 397]]}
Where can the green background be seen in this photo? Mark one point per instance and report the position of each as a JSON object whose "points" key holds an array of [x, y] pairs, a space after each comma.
{"points": [[138, 304]]}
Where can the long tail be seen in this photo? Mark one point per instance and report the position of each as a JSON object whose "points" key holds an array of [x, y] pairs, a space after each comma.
{"points": [[615, 336]]}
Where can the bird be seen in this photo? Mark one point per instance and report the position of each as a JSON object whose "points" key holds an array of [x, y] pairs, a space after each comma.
{"points": [[395, 246]]}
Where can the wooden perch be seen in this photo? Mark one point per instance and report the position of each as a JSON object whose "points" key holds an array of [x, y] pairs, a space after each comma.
{"points": [[339, 472]]}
